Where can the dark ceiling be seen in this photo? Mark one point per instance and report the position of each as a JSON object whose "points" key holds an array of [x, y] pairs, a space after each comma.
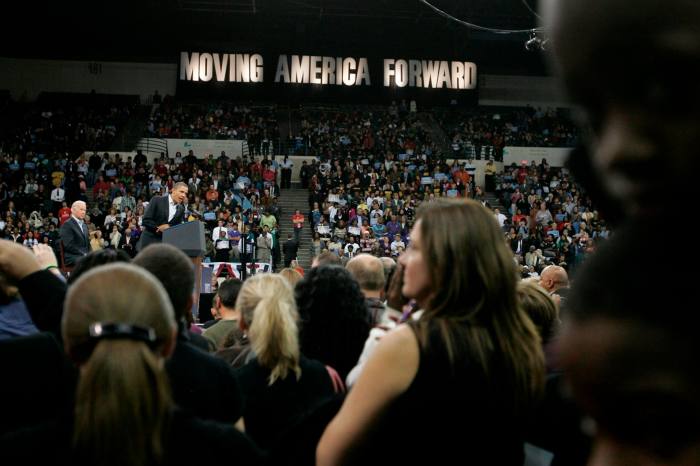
{"points": [[155, 30]]}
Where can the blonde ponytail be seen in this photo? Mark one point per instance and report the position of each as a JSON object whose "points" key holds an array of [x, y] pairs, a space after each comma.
{"points": [[122, 405], [267, 305]]}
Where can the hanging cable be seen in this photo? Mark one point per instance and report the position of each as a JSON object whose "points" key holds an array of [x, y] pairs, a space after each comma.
{"points": [[481, 28], [529, 8]]}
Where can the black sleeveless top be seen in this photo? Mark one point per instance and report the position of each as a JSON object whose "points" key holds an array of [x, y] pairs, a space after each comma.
{"points": [[449, 414]]}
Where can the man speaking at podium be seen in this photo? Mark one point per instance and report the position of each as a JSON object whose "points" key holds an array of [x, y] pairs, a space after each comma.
{"points": [[162, 213]]}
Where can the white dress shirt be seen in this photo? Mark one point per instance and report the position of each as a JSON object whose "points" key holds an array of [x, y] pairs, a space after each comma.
{"points": [[58, 195], [172, 208]]}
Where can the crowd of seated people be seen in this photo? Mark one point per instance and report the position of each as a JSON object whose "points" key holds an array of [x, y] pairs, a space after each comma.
{"points": [[494, 127], [549, 218], [368, 206], [357, 131], [36, 195], [59, 124], [474, 133], [256, 124]]}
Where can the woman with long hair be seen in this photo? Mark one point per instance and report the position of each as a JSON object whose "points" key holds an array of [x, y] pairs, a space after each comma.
{"points": [[119, 340], [462, 379], [118, 328], [279, 384]]}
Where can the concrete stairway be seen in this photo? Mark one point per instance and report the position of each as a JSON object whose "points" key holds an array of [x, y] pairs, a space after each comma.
{"points": [[494, 202], [133, 131], [437, 134], [290, 200]]}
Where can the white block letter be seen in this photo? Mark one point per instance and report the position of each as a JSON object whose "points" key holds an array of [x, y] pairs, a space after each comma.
{"points": [[206, 67], [349, 71], [457, 75], [388, 71], [256, 68], [300, 69], [189, 69], [414, 74], [401, 73], [282, 70], [315, 70]]}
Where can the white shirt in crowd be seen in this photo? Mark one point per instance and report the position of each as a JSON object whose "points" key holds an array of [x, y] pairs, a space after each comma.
{"points": [[351, 249], [501, 218], [217, 232], [58, 195], [223, 243], [395, 245]]}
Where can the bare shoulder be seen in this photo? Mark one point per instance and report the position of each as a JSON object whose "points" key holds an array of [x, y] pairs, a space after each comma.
{"points": [[398, 351], [401, 337]]}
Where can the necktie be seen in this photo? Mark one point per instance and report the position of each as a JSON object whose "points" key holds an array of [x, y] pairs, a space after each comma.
{"points": [[86, 237]]}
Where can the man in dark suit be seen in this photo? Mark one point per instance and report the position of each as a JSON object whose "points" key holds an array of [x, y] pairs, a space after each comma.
{"points": [[519, 245], [162, 213], [127, 243], [290, 248], [74, 234]]}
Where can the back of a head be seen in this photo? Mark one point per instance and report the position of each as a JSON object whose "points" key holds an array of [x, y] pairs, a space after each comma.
{"points": [[175, 272], [326, 258], [629, 353], [555, 277], [471, 267], [368, 270], [335, 320], [389, 265], [292, 276], [117, 325], [616, 282], [539, 306], [474, 302], [228, 292], [267, 306], [594, 30], [96, 259], [586, 46]]}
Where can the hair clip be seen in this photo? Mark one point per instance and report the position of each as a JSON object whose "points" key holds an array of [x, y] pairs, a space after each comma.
{"points": [[102, 330]]}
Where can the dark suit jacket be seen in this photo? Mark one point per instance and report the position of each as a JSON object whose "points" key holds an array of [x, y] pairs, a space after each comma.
{"points": [[524, 248], [76, 242], [157, 214], [290, 248], [130, 247]]}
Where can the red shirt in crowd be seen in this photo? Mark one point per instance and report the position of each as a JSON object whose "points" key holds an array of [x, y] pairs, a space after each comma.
{"points": [[63, 214], [298, 220], [100, 186], [269, 175]]}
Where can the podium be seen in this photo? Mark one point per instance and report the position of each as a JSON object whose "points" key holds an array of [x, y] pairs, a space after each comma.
{"points": [[189, 238]]}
